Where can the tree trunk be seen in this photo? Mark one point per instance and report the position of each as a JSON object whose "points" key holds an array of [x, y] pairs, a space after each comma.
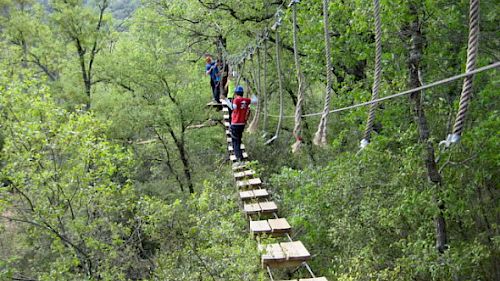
{"points": [[181, 147], [415, 56]]}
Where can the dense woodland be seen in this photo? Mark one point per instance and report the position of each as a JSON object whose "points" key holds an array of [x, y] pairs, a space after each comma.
{"points": [[113, 168]]}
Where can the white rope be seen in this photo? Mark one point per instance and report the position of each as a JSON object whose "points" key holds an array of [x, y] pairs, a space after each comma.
{"points": [[320, 135], [407, 92]]}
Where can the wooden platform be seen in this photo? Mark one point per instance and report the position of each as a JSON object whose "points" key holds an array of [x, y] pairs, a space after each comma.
{"points": [[244, 174], [271, 226], [253, 194], [249, 183], [260, 208], [285, 254]]}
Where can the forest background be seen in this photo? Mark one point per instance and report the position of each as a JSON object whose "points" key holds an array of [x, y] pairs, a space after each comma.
{"points": [[105, 175]]}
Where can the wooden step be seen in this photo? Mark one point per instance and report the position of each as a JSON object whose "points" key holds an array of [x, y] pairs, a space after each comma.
{"points": [[271, 226], [225, 109], [227, 124], [233, 157], [260, 208], [240, 168], [284, 254], [244, 174], [229, 140], [253, 194], [255, 182], [228, 133], [279, 226], [226, 116], [230, 147]]}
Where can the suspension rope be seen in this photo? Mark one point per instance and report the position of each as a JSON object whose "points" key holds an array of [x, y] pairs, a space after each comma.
{"points": [[320, 136], [424, 87], [280, 86], [240, 72], [297, 129], [264, 89], [466, 95], [252, 128], [377, 74]]}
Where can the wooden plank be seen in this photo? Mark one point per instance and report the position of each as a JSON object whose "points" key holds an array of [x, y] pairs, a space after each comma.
{"points": [[244, 174], [257, 227], [279, 225], [253, 194], [254, 182], [260, 193], [251, 209], [268, 207], [225, 109], [226, 116], [295, 251], [229, 140], [244, 166], [272, 253], [249, 182], [230, 148], [227, 124], [233, 157], [228, 133], [246, 195]]}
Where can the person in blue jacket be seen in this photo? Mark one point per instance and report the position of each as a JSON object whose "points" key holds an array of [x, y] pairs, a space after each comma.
{"points": [[212, 70]]}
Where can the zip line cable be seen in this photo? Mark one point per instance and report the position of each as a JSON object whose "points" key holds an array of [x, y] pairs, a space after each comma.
{"points": [[424, 87]]}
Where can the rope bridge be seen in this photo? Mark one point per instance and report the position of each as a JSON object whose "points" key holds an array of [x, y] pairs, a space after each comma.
{"points": [[264, 221]]}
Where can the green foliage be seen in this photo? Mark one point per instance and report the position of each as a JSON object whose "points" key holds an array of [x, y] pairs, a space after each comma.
{"points": [[112, 168]]}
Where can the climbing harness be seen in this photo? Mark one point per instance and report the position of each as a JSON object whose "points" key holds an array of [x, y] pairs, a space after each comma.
{"points": [[377, 75]]}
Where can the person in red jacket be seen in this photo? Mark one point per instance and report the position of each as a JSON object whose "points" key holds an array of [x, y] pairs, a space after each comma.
{"points": [[240, 111]]}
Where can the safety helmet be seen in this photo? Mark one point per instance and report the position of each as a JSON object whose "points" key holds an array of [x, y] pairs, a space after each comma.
{"points": [[239, 89]]}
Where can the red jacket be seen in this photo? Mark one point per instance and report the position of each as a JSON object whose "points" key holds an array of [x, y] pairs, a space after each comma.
{"points": [[241, 106]]}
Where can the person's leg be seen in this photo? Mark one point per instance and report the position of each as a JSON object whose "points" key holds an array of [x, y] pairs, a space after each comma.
{"points": [[212, 85], [237, 143], [234, 140], [230, 111], [217, 92]]}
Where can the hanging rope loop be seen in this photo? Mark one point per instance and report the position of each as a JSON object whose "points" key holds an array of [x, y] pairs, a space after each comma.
{"points": [[297, 129], [466, 95], [280, 86], [377, 75], [320, 136]]}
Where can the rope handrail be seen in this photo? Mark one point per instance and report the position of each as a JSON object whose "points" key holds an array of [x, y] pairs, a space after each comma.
{"points": [[423, 87]]}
